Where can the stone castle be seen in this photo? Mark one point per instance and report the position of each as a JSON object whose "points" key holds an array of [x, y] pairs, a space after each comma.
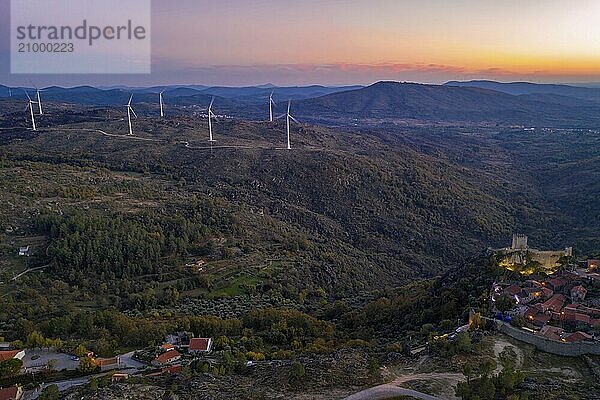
{"points": [[519, 253]]}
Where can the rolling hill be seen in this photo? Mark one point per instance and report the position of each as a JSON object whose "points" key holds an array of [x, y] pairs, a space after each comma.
{"points": [[527, 88], [402, 101]]}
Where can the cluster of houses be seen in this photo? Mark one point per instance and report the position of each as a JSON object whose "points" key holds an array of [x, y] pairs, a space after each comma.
{"points": [[168, 359], [556, 307], [165, 359]]}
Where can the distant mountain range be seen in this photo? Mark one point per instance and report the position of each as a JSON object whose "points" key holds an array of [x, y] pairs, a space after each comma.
{"points": [[475, 101], [393, 100], [526, 88], [115, 95]]}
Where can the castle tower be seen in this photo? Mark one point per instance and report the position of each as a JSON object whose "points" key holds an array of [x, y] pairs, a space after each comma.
{"points": [[519, 242]]}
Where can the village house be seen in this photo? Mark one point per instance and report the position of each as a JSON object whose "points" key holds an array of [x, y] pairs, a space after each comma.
{"points": [[10, 354], [578, 337], [168, 357], [11, 393], [578, 293], [552, 332], [554, 304], [167, 347], [557, 284], [593, 265], [536, 317], [119, 377], [578, 320], [196, 267], [24, 251], [107, 364], [200, 345], [172, 370], [530, 294]]}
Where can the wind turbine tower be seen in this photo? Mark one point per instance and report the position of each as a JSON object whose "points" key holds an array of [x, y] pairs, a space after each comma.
{"points": [[271, 104], [31, 103], [160, 96], [39, 100], [288, 118], [129, 112], [211, 115]]}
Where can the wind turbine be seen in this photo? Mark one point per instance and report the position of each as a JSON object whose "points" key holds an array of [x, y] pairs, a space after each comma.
{"points": [[9, 92], [160, 96], [288, 118], [31, 103], [129, 112], [271, 104], [39, 100], [211, 115]]}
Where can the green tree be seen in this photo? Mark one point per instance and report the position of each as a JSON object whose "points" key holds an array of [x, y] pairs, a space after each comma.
{"points": [[35, 339], [81, 351], [50, 393], [10, 367], [372, 365], [87, 365], [297, 372], [505, 303]]}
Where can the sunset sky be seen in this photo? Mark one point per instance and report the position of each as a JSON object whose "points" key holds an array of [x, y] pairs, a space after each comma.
{"points": [[244, 42]]}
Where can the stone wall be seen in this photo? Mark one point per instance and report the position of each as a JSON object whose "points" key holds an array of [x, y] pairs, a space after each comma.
{"points": [[550, 346]]}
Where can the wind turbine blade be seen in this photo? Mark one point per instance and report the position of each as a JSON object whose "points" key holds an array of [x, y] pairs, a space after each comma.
{"points": [[289, 105], [131, 98], [294, 119], [281, 116], [133, 112], [27, 94], [211, 103]]}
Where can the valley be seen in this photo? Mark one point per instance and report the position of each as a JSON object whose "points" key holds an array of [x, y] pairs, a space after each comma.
{"points": [[353, 249]]}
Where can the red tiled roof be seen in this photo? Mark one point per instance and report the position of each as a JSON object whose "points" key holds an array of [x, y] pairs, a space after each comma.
{"points": [[578, 317], [578, 337], [555, 303], [513, 290], [167, 346], [541, 319], [9, 354], [168, 356], [9, 393], [547, 292], [102, 362], [557, 282], [200, 344], [175, 369], [552, 332]]}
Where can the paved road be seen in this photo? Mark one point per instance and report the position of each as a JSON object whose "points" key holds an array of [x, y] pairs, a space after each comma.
{"points": [[71, 383], [28, 271], [42, 356], [388, 391], [392, 389], [62, 386], [127, 362]]}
